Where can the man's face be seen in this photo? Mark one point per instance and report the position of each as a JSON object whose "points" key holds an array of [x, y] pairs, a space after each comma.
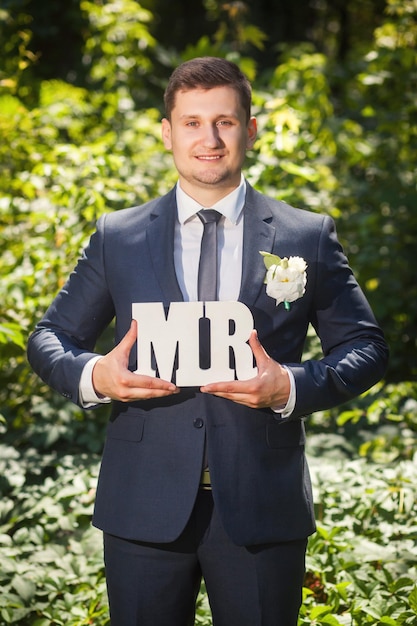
{"points": [[208, 134]]}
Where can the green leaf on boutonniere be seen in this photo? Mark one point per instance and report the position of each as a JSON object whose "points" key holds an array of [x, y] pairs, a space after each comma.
{"points": [[270, 259]]}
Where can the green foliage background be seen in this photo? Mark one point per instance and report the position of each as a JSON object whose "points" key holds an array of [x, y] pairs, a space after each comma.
{"points": [[79, 135]]}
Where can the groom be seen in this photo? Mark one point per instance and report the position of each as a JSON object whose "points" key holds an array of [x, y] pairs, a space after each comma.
{"points": [[208, 482]]}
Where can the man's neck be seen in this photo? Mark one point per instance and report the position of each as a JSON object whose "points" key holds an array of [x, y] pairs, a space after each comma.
{"points": [[207, 196]]}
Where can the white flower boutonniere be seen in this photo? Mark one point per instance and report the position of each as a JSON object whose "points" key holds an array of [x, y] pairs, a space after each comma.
{"points": [[285, 278]]}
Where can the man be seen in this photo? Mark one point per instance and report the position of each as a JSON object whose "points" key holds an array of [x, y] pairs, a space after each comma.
{"points": [[246, 532]]}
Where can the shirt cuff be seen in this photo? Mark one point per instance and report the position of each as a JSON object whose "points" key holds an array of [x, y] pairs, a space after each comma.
{"points": [[289, 407], [87, 394]]}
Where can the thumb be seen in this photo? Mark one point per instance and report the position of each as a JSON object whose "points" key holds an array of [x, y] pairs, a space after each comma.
{"points": [[127, 342], [257, 348]]}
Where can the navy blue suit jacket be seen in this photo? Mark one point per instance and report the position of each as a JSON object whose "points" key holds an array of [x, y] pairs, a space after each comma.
{"points": [[153, 453]]}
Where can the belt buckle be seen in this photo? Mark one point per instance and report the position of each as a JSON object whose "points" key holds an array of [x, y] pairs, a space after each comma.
{"points": [[205, 480]]}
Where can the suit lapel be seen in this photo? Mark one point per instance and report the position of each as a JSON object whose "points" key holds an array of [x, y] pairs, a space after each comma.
{"points": [[160, 236], [258, 234]]}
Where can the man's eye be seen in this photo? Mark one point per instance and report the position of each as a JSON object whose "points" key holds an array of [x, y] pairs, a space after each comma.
{"points": [[191, 123], [224, 123]]}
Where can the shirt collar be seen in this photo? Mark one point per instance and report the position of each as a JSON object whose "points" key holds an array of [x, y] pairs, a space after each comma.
{"points": [[230, 206]]}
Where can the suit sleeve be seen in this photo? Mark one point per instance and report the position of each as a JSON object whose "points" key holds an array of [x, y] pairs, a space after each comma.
{"points": [[64, 339], [355, 354]]}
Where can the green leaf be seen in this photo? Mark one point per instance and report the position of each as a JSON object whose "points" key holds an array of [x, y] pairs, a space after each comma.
{"points": [[329, 619], [400, 583], [270, 259], [412, 599], [24, 587], [342, 589], [12, 332], [308, 173], [318, 611]]}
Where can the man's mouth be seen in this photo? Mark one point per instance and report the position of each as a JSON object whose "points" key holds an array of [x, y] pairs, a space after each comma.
{"points": [[204, 157]]}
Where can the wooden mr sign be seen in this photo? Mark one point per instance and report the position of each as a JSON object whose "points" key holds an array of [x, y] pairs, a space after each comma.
{"points": [[170, 344]]}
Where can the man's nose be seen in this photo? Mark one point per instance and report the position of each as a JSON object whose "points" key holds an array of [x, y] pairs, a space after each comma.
{"points": [[211, 136]]}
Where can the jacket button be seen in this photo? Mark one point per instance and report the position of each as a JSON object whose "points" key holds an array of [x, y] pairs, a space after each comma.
{"points": [[198, 422]]}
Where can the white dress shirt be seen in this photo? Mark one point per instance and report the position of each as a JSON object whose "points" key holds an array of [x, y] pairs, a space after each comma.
{"points": [[187, 243], [188, 235]]}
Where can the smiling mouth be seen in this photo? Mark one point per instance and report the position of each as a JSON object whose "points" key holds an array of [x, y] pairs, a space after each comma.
{"points": [[204, 157]]}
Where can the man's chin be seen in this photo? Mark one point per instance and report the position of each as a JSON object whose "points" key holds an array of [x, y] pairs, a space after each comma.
{"points": [[213, 178]]}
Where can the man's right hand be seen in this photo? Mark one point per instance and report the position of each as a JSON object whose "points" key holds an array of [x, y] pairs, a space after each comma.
{"points": [[112, 378]]}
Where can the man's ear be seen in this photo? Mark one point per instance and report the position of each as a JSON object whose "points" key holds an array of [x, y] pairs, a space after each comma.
{"points": [[252, 133], [166, 133]]}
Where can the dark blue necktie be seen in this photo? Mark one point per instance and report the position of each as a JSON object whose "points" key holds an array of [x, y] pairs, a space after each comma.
{"points": [[207, 269], [207, 278], [207, 286]]}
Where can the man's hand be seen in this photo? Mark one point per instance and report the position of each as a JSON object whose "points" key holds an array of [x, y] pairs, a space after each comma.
{"points": [[270, 388], [112, 378]]}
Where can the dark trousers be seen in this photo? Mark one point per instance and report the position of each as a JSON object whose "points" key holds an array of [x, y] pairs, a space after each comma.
{"points": [[157, 584]]}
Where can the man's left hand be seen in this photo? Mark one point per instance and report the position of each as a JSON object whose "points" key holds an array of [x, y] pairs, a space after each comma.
{"points": [[269, 388]]}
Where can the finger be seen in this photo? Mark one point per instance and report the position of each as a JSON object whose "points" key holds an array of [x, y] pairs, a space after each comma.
{"points": [[121, 384], [130, 337], [257, 348], [122, 351], [230, 387], [144, 393], [140, 381], [131, 386], [244, 399]]}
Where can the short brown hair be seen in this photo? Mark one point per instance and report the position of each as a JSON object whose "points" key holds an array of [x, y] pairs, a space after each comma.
{"points": [[207, 73]]}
